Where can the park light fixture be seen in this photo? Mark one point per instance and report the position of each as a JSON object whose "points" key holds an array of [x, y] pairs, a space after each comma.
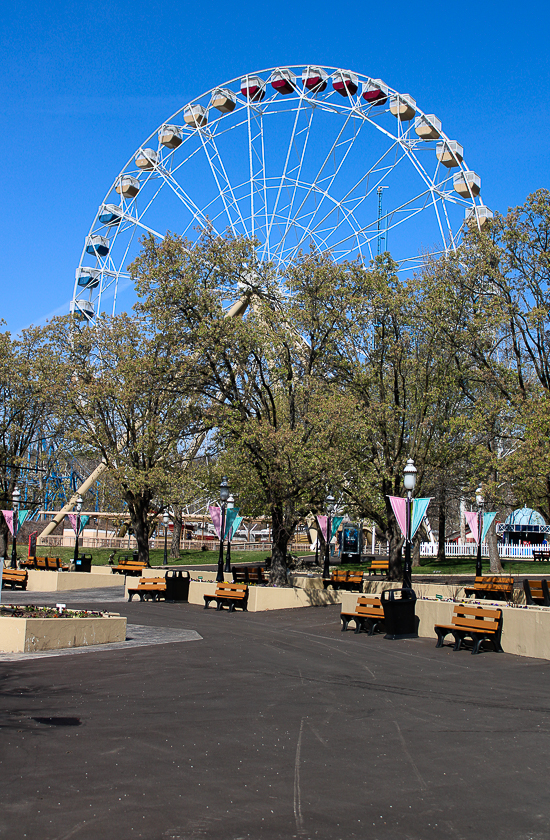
{"points": [[480, 501], [224, 496], [409, 481], [330, 506], [16, 496]]}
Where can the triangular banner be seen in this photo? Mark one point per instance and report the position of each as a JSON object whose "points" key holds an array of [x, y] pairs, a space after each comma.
{"points": [[471, 519], [323, 523], [72, 517], [230, 516], [419, 508], [487, 522], [8, 516], [235, 527], [336, 522], [22, 516], [399, 507], [216, 517]]}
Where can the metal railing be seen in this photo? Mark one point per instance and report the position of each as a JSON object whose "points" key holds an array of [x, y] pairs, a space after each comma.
{"points": [[470, 550]]}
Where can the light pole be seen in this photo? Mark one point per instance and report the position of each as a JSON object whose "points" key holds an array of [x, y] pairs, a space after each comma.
{"points": [[16, 495], [230, 504], [166, 521], [224, 495], [78, 508], [409, 480], [330, 511], [479, 500]]}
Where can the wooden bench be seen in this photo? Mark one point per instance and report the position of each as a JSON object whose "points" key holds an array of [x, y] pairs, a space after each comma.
{"points": [[536, 592], [54, 564], [12, 578], [382, 566], [151, 588], [233, 594], [368, 614], [499, 587], [345, 579], [129, 567], [250, 574], [542, 556], [478, 623]]}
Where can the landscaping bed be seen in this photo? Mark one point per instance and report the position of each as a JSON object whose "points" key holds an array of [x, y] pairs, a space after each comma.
{"points": [[26, 629]]}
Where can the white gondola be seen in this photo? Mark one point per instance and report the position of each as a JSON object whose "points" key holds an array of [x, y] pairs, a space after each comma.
{"points": [[345, 82], [98, 246], [403, 106], [315, 78], [128, 186], [146, 159], [283, 81], [224, 100], [481, 213], [88, 277], [83, 309], [428, 127], [253, 87], [170, 136], [110, 214], [375, 92], [195, 116], [467, 183], [449, 153]]}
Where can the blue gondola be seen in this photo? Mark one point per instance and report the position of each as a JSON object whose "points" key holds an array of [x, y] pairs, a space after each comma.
{"points": [[88, 277], [110, 214], [98, 246]]}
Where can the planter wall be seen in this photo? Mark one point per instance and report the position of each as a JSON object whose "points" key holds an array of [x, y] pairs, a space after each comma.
{"points": [[43, 581], [262, 598], [27, 635]]}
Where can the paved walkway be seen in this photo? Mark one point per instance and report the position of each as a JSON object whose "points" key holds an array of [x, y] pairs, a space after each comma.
{"points": [[272, 726]]}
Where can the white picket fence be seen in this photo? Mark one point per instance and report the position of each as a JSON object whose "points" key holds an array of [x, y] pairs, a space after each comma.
{"points": [[470, 550]]}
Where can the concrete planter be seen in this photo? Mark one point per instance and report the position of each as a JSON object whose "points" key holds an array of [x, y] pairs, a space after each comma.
{"points": [[43, 581], [261, 598], [27, 635]]}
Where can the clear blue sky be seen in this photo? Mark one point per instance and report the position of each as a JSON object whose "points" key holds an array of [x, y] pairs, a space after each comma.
{"points": [[83, 84]]}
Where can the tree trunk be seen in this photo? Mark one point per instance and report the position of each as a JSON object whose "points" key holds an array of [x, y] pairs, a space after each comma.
{"points": [[415, 554], [280, 538], [138, 507], [396, 544], [442, 526], [494, 560], [176, 534], [4, 539]]}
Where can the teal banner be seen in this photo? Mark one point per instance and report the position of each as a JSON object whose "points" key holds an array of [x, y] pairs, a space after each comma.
{"points": [[22, 516], [336, 522], [230, 516], [488, 519], [419, 508]]}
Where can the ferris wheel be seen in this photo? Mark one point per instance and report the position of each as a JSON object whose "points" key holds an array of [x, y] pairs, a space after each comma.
{"points": [[300, 158]]}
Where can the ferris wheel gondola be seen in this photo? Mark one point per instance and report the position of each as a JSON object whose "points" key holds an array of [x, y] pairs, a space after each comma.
{"points": [[296, 158]]}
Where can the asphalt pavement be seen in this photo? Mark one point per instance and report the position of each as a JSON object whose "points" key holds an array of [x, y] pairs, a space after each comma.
{"points": [[270, 726]]}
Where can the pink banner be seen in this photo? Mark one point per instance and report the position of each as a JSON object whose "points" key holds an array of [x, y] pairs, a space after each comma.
{"points": [[399, 507], [72, 520], [8, 516], [471, 519], [216, 516], [323, 523]]}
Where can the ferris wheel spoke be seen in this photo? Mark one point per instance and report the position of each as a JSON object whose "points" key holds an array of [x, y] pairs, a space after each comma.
{"points": [[314, 184], [178, 190], [223, 183]]}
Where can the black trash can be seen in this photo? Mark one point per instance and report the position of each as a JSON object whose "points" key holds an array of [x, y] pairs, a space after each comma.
{"points": [[83, 563], [399, 614], [177, 585]]}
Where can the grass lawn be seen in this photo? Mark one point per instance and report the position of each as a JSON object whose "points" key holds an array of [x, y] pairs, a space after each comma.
{"points": [[156, 556], [467, 566]]}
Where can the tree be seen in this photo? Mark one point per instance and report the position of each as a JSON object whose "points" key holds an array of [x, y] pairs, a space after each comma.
{"points": [[25, 417], [265, 380], [115, 388]]}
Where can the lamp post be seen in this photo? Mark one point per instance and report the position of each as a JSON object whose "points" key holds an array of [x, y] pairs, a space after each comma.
{"points": [[479, 500], [166, 521], [78, 508], [409, 481], [230, 504], [224, 495], [330, 511], [16, 495]]}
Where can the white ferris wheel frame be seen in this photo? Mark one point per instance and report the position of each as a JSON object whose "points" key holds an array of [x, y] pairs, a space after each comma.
{"points": [[245, 207]]}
